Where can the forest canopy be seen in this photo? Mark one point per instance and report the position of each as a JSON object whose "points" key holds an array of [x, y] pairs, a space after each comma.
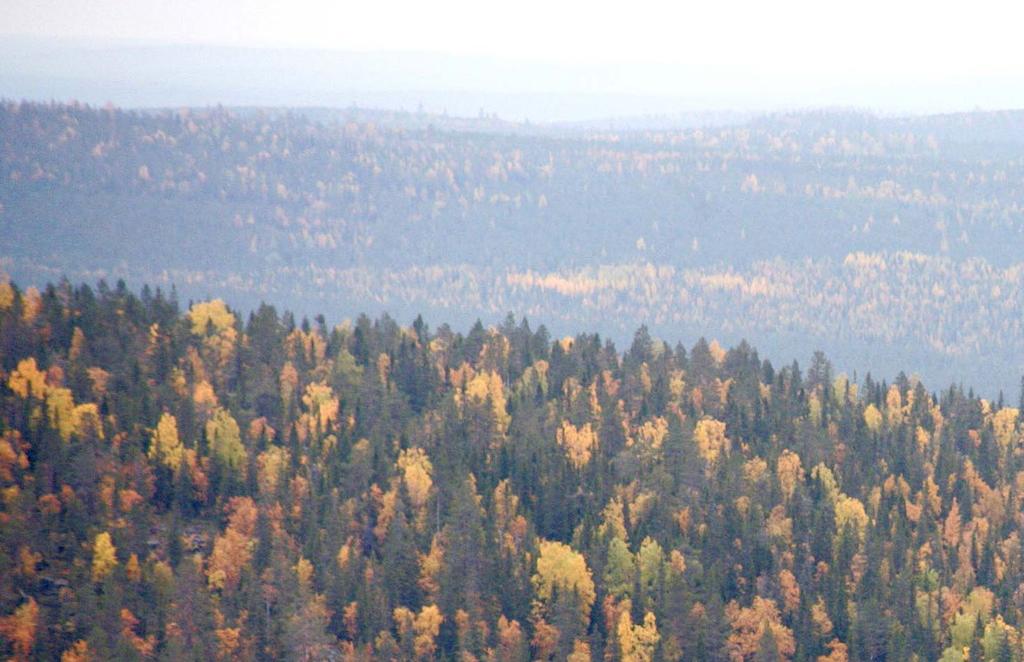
{"points": [[198, 482]]}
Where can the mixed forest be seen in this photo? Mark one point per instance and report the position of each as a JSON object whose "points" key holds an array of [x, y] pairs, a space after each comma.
{"points": [[875, 238], [188, 481]]}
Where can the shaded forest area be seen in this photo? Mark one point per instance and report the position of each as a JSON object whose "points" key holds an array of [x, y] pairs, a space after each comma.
{"points": [[203, 484], [870, 237]]}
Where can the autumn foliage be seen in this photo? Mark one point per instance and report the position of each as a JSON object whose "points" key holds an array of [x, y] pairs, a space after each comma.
{"points": [[212, 485]]}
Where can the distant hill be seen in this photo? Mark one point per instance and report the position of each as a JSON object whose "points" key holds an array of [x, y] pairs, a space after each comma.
{"points": [[870, 237]]}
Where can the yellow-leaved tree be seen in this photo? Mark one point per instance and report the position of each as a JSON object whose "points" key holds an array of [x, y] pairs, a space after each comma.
{"points": [[204, 398], [613, 520], [951, 526], [1004, 426], [511, 641], [86, 421], [225, 440], [60, 406], [418, 632], [215, 324], [578, 443], [104, 557], [416, 471], [652, 433], [561, 568], [790, 472], [709, 435], [270, 468], [6, 293], [164, 445], [288, 383], [27, 380], [322, 409], [488, 387], [873, 418], [213, 315], [637, 642], [580, 652], [850, 512]]}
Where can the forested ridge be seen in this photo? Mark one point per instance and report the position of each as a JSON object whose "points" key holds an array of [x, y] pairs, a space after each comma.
{"points": [[285, 186], [872, 237], [192, 482]]}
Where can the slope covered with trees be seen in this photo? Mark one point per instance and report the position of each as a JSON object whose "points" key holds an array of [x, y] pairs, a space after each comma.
{"points": [[202, 484], [811, 229]]}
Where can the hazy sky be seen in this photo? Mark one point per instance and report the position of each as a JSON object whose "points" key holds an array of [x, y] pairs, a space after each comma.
{"points": [[884, 55], [864, 37]]}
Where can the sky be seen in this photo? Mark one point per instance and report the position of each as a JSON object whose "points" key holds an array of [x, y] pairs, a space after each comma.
{"points": [[920, 37], [948, 54]]}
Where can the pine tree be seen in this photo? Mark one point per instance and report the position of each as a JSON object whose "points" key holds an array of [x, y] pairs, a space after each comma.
{"points": [[400, 562]]}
